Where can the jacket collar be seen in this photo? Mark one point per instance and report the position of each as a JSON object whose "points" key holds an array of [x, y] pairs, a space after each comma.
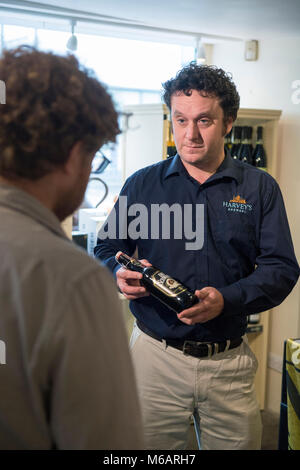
{"points": [[22, 202]]}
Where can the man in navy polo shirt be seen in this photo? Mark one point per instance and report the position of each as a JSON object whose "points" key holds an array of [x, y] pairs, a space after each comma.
{"points": [[241, 262]]}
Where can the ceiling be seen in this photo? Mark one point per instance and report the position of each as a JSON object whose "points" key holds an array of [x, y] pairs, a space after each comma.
{"points": [[243, 19]]}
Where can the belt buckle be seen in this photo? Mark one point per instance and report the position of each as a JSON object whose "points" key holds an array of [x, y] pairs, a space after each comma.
{"points": [[185, 344], [208, 345]]}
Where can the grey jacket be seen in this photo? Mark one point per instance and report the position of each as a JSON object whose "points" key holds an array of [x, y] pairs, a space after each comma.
{"points": [[66, 377]]}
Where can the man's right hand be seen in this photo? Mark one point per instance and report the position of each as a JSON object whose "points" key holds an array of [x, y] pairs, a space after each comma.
{"points": [[129, 282]]}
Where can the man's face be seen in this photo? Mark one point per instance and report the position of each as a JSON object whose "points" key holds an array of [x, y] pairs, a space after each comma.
{"points": [[198, 128], [74, 191]]}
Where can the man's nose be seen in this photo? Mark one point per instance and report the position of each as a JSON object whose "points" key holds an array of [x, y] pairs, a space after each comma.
{"points": [[192, 132]]}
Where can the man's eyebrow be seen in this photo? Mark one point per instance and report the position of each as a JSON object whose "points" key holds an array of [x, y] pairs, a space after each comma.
{"points": [[200, 115]]}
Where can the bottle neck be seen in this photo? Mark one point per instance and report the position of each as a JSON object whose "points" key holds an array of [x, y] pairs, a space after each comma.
{"points": [[130, 263]]}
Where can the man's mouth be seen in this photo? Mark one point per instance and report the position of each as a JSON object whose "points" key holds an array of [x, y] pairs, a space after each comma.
{"points": [[195, 146]]}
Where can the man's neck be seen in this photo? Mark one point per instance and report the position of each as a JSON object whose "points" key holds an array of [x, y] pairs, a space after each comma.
{"points": [[36, 188], [201, 172]]}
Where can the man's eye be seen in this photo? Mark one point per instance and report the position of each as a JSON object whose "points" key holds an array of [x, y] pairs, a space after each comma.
{"points": [[204, 122], [180, 121]]}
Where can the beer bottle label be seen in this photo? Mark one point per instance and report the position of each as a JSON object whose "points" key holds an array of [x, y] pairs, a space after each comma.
{"points": [[166, 284]]}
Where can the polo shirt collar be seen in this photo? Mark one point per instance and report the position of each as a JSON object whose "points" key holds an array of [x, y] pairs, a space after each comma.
{"points": [[228, 168]]}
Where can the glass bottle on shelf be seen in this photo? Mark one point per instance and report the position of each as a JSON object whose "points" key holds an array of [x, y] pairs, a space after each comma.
{"points": [[171, 147], [246, 149], [227, 142], [236, 141], [259, 154]]}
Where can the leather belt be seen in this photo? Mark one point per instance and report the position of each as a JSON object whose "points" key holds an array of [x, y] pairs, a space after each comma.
{"points": [[194, 348]]}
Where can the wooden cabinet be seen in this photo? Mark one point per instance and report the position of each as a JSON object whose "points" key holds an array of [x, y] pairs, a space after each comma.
{"points": [[145, 143]]}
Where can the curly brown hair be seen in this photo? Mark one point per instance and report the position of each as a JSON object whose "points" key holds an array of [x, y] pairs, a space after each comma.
{"points": [[208, 79], [51, 103]]}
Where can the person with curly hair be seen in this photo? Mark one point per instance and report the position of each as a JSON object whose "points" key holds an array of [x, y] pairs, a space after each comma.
{"points": [[68, 381], [198, 362]]}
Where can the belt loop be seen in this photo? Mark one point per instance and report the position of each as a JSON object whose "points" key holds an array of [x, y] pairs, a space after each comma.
{"points": [[209, 350], [164, 342], [227, 344]]}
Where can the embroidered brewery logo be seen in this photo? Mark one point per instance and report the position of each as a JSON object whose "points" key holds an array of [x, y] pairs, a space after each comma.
{"points": [[237, 204]]}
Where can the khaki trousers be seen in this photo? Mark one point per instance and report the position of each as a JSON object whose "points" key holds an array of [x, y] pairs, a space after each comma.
{"points": [[172, 386]]}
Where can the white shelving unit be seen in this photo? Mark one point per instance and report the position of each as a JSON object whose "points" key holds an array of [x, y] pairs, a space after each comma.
{"points": [[258, 340]]}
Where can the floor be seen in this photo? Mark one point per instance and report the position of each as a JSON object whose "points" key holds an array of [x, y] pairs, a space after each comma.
{"points": [[270, 432]]}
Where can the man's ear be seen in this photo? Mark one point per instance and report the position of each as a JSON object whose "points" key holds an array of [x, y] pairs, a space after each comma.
{"points": [[228, 125], [74, 160]]}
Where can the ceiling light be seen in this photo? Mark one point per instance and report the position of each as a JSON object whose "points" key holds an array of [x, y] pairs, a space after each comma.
{"points": [[200, 56], [72, 41]]}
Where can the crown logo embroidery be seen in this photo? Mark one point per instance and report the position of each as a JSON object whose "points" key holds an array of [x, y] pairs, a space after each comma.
{"points": [[238, 199]]}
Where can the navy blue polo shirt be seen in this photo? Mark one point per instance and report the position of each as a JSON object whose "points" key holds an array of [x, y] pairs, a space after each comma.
{"points": [[246, 248]]}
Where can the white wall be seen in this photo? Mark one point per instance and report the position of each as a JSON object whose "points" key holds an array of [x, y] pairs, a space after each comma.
{"points": [[267, 83]]}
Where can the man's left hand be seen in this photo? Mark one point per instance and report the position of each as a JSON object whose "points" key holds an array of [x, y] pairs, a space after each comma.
{"points": [[210, 305]]}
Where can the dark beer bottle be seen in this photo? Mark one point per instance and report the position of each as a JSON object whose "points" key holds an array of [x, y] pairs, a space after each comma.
{"points": [[237, 134], [227, 142], [246, 150], [169, 291], [259, 154]]}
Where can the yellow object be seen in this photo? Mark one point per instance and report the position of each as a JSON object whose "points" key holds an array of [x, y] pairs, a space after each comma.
{"points": [[238, 199], [170, 141], [293, 392]]}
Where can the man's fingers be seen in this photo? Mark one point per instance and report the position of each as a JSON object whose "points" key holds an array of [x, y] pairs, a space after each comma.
{"points": [[201, 294], [145, 262], [192, 314], [123, 273], [132, 290], [202, 317], [187, 321], [136, 296], [129, 282], [195, 309]]}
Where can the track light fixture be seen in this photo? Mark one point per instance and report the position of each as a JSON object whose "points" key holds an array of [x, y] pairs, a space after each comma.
{"points": [[200, 56], [72, 41]]}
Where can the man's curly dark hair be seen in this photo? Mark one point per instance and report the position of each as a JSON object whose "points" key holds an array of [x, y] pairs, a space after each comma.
{"points": [[51, 103], [210, 81]]}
